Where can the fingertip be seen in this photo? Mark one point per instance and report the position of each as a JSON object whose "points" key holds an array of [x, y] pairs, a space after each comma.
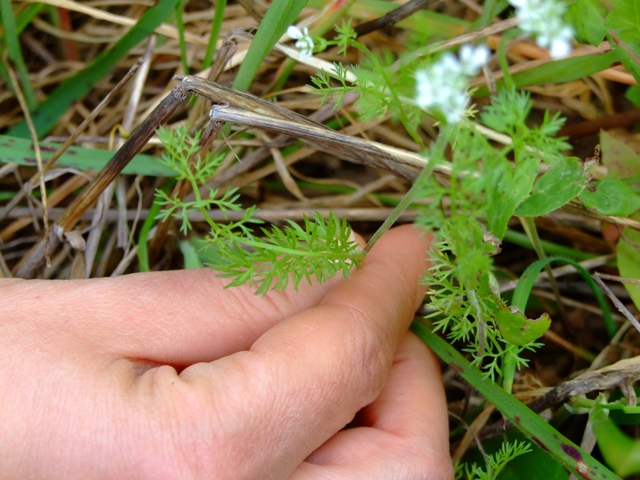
{"points": [[407, 246]]}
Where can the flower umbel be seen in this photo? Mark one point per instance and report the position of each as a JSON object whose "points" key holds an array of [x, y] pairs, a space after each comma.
{"points": [[304, 41], [543, 18], [442, 85]]}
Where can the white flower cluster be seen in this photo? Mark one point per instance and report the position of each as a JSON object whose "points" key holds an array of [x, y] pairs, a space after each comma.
{"points": [[543, 18], [442, 85], [304, 41]]}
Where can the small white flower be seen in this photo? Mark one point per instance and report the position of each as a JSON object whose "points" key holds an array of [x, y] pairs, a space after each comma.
{"points": [[295, 33], [560, 48], [472, 59], [305, 42], [441, 86], [543, 19]]}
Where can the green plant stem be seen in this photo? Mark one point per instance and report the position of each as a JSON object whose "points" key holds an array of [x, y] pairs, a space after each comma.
{"points": [[481, 322], [509, 366], [358, 254], [196, 192], [436, 153], [582, 402]]}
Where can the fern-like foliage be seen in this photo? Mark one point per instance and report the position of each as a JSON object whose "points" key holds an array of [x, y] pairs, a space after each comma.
{"points": [[318, 251], [470, 217], [381, 90], [182, 156], [494, 462]]}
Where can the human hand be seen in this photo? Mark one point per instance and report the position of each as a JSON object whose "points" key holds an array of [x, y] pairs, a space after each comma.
{"points": [[167, 375]]}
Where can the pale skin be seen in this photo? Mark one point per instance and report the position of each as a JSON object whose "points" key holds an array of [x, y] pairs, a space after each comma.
{"points": [[170, 376]]}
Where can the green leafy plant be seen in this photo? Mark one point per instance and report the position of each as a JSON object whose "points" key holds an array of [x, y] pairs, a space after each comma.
{"points": [[495, 462], [485, 189], [524, 174], [381, 90], [317, 252]]}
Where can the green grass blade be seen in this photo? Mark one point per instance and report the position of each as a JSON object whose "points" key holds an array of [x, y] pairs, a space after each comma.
{"points": [[561, 71], [181, 40], [427, 22], [216, 25], [491, 10], [329, 21], [527, 279], [76, 87], [15, 53], [544, 435], [550, 248], [26, 15], [189, 255], [149, 222], [280, 15], [20, 151]]}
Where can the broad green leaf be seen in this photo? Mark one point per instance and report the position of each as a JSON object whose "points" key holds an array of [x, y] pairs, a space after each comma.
{"points": [[20, 151], [620, 159], [611, 197], [621, 452], [76, 87], [561, 183], [628, 54], [280, 15], [587, 16], [560, 448], [633, 95], [517, 329], [507, 189], [629, 262], [624, 18]]}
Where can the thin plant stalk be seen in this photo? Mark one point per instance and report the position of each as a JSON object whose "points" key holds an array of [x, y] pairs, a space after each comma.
{"points": [[436, 153]]}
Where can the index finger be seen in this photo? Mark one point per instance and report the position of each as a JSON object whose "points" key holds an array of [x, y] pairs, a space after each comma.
{"points": [[305, 378]]}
